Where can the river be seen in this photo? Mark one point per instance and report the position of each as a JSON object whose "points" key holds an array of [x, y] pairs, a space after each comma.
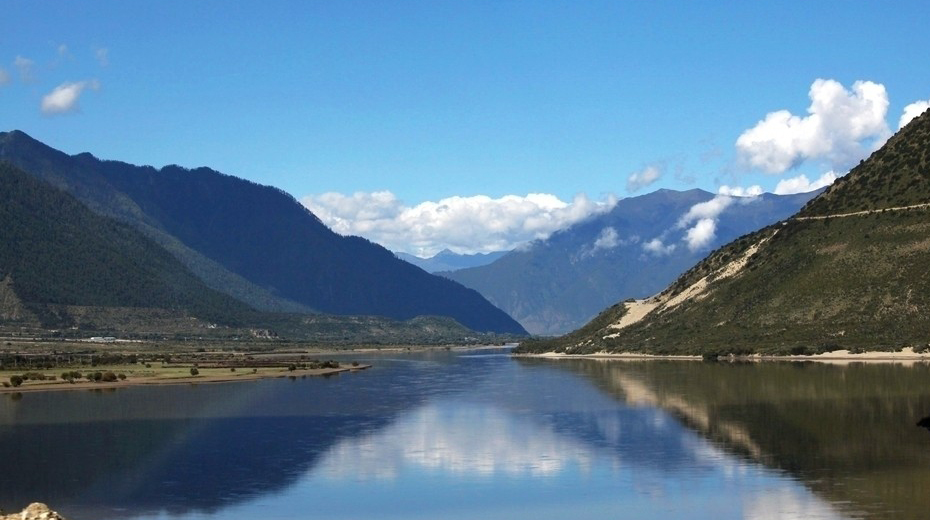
{"points": [[478, 434]]}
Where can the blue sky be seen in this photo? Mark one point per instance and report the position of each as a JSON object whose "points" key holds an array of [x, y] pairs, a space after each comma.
{"points": [[366, 111]]}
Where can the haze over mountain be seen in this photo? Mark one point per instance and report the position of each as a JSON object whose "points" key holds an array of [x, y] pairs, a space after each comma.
{"points": [[256, 243], [640, 246], [848, 271], [446, 260]]}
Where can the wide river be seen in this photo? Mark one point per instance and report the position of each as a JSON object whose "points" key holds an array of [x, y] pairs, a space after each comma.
{"points": [[480, 435]]}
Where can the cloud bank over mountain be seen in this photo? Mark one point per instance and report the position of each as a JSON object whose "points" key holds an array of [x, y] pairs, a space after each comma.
{"points": [[475, 224]]}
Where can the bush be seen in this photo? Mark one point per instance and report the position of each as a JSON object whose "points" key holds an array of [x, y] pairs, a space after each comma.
{"points": [[194, 371], [121, 376], [109, 377], [292, 367], [16, 380]]}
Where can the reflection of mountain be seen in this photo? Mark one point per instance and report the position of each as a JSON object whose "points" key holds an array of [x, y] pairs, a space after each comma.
{"points": [[181, 448], [414, 430], [847, 431]]}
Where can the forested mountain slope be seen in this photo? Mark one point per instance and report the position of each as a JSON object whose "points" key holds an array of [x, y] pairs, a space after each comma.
{"points": [[257, 234]]}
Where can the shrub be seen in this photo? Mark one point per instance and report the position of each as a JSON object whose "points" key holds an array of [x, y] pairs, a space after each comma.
{"points": [[194, 371], [121, 376], [292, 367], [16, 380], [109, 377]]}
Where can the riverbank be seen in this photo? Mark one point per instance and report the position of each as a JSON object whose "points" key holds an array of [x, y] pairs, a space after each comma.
{"points": [[204, 376], [905, 355]]}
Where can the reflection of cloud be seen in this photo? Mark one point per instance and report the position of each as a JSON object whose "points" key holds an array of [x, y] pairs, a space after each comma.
{"points": [[787, 504], [467, 440]]}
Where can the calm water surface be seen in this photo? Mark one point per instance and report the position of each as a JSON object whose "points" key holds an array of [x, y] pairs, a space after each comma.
{"points": [[481, 435]]}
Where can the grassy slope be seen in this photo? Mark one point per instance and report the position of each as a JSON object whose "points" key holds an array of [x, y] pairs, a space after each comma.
{"points": [[855, 282]]}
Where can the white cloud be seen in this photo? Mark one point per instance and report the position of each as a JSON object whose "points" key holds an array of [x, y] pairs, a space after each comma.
{"points": [[25, 67], [913, 110], [841, 127], [705, 210], [702, 234], [801, 184], [608, 239], [103, 56], [65, 97], [476, 224], [639, 180], [63, 51], [4, 77], [657, 247], [738, 191]]}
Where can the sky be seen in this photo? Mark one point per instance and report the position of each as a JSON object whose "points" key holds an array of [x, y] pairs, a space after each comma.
{"points": [[473, 125]]}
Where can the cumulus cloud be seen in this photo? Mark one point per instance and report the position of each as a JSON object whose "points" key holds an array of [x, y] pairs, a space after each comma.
{"points": [[64, 98], [841, 127], [103, 56], [705, 210], [25, 67], [639, 180], [801, 184], [738, 191], [4, 77], [911, 111], [701, 234], [476, 224], [699, 223], [658, 247]]}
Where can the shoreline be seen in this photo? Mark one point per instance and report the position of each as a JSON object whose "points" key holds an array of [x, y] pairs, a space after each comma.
{"points": [[63, 386], [906, 355]]}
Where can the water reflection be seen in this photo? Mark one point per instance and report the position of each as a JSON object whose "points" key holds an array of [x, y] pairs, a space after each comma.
{"points": [[846, 431], [422, 436]]}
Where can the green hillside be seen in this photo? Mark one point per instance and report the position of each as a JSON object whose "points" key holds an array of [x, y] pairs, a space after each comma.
{"points": [[56, 252], [255, 243], [848, 272]]}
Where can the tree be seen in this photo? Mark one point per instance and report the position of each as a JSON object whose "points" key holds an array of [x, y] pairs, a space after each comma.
{"points": [[16, 380], [194, 371]]}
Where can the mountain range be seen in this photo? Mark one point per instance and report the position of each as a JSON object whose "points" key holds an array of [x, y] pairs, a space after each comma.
{"points": [[556, 285], [254, 244], [447, 260], [848, 271]]}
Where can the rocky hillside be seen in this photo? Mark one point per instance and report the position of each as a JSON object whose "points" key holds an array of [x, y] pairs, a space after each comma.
{"points": [[34, 511], [849, 271]]}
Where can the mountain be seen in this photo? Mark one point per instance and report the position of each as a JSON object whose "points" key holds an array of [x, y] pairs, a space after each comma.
{"points": [[558, 284], [848, 271], [58, 253], [446, 260], [255, 242]]}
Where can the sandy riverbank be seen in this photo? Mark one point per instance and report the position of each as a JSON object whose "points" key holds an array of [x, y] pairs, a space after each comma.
{"points": [[206, 377], [906, 355]]}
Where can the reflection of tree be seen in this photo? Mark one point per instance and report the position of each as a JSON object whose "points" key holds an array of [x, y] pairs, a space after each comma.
{"points": [[847, 431], [180, 448]]}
